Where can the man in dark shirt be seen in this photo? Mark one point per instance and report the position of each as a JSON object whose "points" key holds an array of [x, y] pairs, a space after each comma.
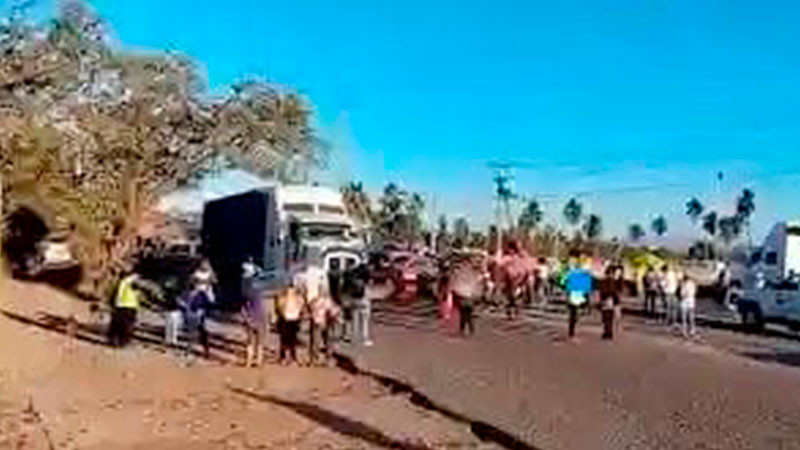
{"points": [[610, 298]]}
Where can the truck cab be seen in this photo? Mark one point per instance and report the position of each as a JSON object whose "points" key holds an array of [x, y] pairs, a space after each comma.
{"points": [[769, 284], [771, 302]]}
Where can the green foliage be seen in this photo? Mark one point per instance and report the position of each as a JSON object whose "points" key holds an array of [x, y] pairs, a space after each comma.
{"points": [[400, 214], [94, 136], [573, 211], [593, 227], [659, 226], [694, 209], [636, 232], [531, 216], [357, 202], [745, 205], [730, 228], [710, 223]]}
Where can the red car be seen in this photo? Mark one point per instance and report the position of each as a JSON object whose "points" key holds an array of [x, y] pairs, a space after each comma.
{"points": [[404, 272]]}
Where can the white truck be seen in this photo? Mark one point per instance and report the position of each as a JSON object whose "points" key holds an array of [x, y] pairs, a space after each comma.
{"points": [[770, 292]]}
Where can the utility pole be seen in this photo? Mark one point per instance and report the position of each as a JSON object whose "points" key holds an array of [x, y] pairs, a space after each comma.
{"points": [[504, 194]]}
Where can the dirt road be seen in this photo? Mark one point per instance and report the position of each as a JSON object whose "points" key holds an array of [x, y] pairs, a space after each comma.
{"points": [[56, 396]]}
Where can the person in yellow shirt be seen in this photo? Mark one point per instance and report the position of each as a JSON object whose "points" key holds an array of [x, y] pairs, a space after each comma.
{"points": [[131, 293]]}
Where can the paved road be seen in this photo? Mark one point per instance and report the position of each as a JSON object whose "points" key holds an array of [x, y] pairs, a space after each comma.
{"points": [[648, 389]]}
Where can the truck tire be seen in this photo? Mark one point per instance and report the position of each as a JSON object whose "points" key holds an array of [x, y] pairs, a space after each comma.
{"points": [[752, 320]]}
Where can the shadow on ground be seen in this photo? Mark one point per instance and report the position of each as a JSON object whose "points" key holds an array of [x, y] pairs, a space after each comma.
{"points": [[334, 422], [150, 335], [482, 430], [791, 359]]}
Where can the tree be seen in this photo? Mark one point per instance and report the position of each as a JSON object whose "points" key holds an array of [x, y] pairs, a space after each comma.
{"points": [[399, 216], [357, 202], [636, 232], [694, 209], [461, 232], [95, 136], [745, 207], [710, 223], [729, 229], [531, 216], [573, 211], [659, 226], [593, 227]]}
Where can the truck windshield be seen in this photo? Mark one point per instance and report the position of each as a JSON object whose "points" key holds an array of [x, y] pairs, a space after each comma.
{"points": [[325, 230]]}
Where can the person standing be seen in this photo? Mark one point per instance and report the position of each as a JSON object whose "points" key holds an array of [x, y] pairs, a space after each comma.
{"points": [[173, 318], [669, 284], [610, 299], [313, 285], [255, 312], [204, 279], [195, 311], [466, 286], [651, 290], [336, 285], [514, 278], [579, 286], [688, 292], [542, 280], [362, 303], [127, 301], [290, 308]]}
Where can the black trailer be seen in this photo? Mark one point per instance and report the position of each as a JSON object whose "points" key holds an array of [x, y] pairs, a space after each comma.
{"points": [[239, 228]]}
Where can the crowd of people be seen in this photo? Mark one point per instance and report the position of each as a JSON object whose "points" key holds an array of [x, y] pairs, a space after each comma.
{"points": [[329, 305], [669, 296], [334, 305]]}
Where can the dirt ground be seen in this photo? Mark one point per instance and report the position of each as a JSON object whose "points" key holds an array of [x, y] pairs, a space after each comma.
{"points": [[56, 394]]}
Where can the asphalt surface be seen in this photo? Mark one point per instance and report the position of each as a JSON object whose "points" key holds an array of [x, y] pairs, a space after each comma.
{"points": [[648, 389]]}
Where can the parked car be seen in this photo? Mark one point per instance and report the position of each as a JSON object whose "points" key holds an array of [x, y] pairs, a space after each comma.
{"points": [[404, 272]]}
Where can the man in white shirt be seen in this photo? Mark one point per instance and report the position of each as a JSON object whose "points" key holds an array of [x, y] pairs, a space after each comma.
{"points": [[314, 288], [669, 289], [687, 305]]}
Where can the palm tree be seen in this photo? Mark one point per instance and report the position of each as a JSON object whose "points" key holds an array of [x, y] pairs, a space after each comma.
{"points": [[659, 226], [729, 229], [694, 209], [461, 232], [745, 206], [357, 202], [593, 227], [531, 216], [710, 223], [636, 232], [573, 211]]}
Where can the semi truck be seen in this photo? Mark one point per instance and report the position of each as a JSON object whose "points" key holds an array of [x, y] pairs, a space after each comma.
{"points": [[277, 228], [768, 283]]}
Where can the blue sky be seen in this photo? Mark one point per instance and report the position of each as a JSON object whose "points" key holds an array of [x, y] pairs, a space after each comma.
{"points": [[599, 94]]}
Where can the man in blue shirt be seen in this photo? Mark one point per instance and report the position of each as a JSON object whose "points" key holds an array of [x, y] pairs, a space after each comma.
{"points": [[578, 286]]}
